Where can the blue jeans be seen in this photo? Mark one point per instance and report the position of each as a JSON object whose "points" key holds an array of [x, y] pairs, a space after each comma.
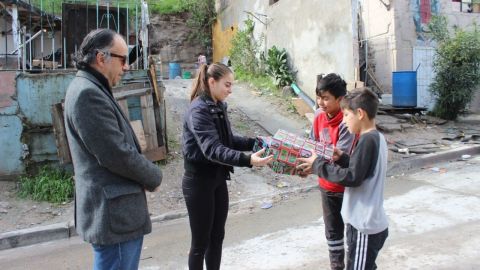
{"points": [[120, 256]]}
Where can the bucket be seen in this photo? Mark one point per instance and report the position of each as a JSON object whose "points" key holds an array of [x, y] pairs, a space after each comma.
{"points": [[174, 70], [187, 75], [404, 89]]}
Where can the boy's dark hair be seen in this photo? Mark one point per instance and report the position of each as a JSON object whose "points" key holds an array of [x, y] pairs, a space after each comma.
{"points": [[332, 83], [361, 98]]}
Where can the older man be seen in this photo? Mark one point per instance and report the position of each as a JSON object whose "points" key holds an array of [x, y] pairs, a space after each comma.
{"points": [[111, 174]]}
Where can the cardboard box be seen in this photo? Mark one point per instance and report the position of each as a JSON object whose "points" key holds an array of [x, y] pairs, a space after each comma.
{"points": [[287, 147]]}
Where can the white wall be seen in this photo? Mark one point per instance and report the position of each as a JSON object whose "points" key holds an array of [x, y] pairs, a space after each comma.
{"points": [[316, 34], [378, 35], [47, 44], [3, 38]]}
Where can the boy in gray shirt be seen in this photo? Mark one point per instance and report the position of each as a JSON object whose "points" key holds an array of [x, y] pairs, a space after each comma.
{"points": [[363, 174]]}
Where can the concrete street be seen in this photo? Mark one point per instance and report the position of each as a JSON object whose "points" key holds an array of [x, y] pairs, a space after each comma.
{"points": [[434, 224]]}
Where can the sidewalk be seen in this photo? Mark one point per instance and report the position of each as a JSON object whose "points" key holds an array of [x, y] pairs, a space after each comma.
{"points": [[249, 187]]}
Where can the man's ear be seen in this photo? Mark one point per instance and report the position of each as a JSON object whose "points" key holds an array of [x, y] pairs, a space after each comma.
{"points": [[100, 57]]}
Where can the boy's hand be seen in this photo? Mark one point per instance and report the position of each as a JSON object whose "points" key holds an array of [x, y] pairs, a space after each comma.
{"points": [[304, 173], [305, 164], [257, 160], [337, 153]]}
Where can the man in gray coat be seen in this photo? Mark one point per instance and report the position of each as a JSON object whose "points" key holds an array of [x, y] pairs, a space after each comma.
{"points": [[111, 175]]}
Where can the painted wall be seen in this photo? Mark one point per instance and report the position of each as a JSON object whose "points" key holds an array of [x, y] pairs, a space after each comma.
{"points": [[10, 127], [317, 35], [221, 40], [25, 118], [393, 31]]}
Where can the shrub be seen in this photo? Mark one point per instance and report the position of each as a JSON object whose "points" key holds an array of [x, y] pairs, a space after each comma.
{"points": [[50, 184], [244, 50], [278, 68], [457, 68]]}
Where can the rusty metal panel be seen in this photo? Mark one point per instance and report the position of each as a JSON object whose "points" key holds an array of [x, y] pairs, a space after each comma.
{"points": [[38, 92]]}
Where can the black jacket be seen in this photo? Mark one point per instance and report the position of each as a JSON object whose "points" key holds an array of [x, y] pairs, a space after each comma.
{"points": [[209, 147]]}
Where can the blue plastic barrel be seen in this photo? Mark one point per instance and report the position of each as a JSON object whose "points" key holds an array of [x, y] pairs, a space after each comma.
{"points": [[174, 70], [404, 89]]}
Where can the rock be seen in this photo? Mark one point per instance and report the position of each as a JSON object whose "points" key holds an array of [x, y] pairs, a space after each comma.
{"points": [[287, 91]]}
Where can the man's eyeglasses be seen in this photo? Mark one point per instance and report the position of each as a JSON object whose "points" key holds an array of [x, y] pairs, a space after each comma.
{"points": [[123, 58]]}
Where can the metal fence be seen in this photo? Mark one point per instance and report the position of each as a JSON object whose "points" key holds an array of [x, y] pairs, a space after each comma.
{"points": [[44, 35]]}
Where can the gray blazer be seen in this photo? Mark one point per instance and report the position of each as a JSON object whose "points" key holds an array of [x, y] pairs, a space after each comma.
{"points": [[110, 173]]}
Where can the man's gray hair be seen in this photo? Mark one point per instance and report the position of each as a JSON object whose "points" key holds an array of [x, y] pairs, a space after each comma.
{"points": [[99, 40]]}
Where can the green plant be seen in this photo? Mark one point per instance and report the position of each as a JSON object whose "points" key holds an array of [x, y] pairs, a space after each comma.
{"points": [[201, 20], [277, 67], [244, 50], [50, 184], [261, 82], [165, 6], [457, 68]]}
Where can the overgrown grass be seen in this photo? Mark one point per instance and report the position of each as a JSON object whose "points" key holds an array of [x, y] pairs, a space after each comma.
{"points": [[50, 184], [263, 83], [155, 6], [166, 6]]}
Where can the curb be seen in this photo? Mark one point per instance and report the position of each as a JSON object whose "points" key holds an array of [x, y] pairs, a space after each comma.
{"points": [[419, 162], [64, 230]]}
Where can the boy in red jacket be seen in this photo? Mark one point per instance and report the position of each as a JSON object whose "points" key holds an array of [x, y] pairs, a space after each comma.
{"points": [[328, 127]]}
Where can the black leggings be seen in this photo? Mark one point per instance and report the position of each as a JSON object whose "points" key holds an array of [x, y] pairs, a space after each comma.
{"points": [[207, 205]]}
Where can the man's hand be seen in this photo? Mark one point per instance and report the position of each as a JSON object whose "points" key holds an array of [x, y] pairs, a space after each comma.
{"points": [[257, 160]]}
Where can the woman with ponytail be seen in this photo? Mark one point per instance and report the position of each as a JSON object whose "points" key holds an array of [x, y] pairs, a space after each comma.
{"points": [[210, 152]]}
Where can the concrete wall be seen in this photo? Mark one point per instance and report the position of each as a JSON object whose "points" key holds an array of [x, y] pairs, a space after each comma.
{"points": [[393, 31], [377, 36], [317, 34], [26, 134], [8, 38]]}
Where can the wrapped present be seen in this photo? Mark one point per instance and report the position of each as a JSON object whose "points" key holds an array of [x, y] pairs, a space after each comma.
{"points": [[287, 147]]}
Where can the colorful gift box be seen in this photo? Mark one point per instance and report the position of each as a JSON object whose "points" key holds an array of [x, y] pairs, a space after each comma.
{"points": [[287, 147]]}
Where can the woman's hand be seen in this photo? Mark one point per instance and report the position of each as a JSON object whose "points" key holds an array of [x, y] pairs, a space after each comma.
{"points": [[257, 160]]}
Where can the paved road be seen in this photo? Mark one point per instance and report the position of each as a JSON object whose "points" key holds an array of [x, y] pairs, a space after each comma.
{"points": [[434, 224]]}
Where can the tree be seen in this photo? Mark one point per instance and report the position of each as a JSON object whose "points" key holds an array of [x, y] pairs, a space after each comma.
{"points": [[457, 68]]}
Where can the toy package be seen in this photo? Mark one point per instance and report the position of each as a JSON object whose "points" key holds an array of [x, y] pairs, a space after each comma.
{"points": [[287, 147]]}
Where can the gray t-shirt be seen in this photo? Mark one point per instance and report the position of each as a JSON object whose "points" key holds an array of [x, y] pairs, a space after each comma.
{"points": [[363, 174]]}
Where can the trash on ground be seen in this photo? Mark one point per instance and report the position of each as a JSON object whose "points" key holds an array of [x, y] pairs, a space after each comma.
{"points": [[282, 184], [266, 205]]}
